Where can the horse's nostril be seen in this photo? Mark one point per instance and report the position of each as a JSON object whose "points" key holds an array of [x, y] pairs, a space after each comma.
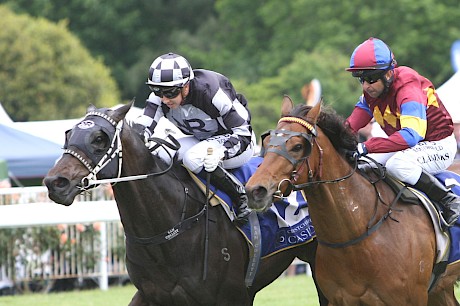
{"points": [[61, 182], [259, 192], [56, 183]]}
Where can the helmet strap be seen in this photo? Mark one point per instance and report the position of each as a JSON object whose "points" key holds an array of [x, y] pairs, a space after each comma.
{"points": [[387, 81], [185, 91]]}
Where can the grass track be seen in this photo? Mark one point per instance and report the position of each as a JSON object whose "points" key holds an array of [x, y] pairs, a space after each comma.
{"points": [[285, 291]]}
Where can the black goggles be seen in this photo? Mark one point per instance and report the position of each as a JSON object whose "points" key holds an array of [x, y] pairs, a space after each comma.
{"points": [[371, 78], [167, 92]]}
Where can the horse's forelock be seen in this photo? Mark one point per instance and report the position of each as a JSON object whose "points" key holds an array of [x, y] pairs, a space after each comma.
{"points": [[300, 111]]}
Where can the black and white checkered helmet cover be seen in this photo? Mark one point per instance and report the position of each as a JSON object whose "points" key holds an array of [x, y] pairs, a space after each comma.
{"points": [[170, 70]]}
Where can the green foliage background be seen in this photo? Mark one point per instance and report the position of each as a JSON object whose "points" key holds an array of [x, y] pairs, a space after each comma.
{"points": [[268, 48], [45, 72]]}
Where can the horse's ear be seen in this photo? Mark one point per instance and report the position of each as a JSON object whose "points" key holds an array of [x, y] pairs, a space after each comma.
{"points": [[313, 114], [120, 113], [91, 108], [286, 106]]}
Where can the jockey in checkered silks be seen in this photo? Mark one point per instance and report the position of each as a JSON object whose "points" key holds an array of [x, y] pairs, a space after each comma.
{"points": [[204, 105]]}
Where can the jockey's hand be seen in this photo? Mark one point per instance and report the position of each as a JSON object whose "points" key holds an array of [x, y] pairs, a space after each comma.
{"points": [[211, 161], [361, 149], [143, 132]]}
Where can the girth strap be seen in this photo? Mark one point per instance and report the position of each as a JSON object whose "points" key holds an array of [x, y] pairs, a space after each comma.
{"points": [[169, 234], [255, 257]]}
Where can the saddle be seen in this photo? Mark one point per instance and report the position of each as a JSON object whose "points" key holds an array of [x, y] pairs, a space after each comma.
{"points": [[447, 238], [407, 195]]}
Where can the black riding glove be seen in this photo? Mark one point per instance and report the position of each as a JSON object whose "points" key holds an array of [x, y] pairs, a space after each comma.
{"points": [[142, 131]]}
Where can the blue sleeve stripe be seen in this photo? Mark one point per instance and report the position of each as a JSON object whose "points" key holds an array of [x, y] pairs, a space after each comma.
{"points": [[410, 136], [363, 105], [413, 109]]}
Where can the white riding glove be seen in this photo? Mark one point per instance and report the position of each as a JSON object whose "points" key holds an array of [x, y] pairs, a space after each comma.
{"points": [[211, 161], [362, 150]]}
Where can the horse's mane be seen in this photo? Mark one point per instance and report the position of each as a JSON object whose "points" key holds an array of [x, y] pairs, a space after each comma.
{"points": [[177, 170], [333, 125]]}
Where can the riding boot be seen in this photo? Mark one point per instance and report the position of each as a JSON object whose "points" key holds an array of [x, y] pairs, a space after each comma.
{"points": [[449, 201], [229, 184]]}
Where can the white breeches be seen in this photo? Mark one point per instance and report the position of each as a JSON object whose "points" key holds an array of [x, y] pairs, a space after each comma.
{"points": [[431, 156], [193, 151]]}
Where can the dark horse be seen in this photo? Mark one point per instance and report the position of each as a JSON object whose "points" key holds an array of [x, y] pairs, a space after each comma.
{"points": [[163, 215], [373, 248]]}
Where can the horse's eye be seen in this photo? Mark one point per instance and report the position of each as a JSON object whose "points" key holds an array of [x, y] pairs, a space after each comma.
{"points": [[98, 139], [297, 148]]}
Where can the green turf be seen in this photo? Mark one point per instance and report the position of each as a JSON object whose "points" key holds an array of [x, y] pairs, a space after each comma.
{"points": [[285, 291]]}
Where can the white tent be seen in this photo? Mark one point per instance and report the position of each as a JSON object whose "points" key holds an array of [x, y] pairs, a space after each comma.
{"points": [[449, 92], [54, 130], [4, 117]]}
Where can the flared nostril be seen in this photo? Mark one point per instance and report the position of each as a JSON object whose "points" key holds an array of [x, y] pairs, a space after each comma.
{"points": [[53, 183]]}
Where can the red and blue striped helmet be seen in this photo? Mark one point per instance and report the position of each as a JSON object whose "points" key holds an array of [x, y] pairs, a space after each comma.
{"points": [[373, 54]]}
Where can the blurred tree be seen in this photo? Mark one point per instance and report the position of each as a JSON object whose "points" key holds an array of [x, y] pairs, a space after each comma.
{"points": [[265, 35], [251, 41], [126, 35], [45, 72], [338, 89]]}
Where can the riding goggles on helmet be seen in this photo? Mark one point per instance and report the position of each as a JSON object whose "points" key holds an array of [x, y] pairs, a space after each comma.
{"points": [[168, 92]]}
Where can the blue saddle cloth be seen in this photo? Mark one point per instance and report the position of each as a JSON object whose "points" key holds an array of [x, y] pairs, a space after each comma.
{"points": [[454, 231], [286, 224]]}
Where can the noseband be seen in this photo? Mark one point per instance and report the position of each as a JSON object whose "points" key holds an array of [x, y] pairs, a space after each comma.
{"points": [[114, 152]]}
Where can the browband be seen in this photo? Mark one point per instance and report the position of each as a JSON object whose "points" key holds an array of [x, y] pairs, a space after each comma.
{"points": [[300, 121]]}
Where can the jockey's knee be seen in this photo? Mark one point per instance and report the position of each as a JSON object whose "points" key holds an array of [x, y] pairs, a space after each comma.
{"points": [[404, 170], [193, 161]]}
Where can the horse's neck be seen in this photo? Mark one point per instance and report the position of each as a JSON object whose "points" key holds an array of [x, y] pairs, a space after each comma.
{"points": [[341, 210], [151, 205]]}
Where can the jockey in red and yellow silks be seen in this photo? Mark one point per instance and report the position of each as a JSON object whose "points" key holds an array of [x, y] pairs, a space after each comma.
{"points": [[420, 138]]}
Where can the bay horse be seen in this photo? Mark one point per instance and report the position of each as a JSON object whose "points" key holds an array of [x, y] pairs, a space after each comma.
{"points": [[164, 218], [373, 248]]}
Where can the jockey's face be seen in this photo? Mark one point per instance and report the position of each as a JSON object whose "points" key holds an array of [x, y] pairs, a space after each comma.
{"points": [[178, 100], [374, 88], [173, 102]]}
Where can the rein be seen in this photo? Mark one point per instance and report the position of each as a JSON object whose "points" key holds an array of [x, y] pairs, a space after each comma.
{"points": [[112, 152], [160, 142], [279, 139], [116, 151]]}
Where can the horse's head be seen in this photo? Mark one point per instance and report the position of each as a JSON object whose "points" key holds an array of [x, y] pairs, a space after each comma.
{"points": [[293, 153], [92, 148]]}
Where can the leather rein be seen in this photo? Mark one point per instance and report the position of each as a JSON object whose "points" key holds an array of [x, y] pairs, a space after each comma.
{"points": [[277, 144], [115, 152]]}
